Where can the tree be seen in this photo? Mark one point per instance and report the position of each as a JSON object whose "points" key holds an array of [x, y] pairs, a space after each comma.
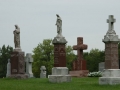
{"points": [[43, 55], [4, 56], [94, 58]]}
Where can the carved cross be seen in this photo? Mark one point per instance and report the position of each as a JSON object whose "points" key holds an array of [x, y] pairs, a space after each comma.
{"points": [[79, 47], [111, 21]]}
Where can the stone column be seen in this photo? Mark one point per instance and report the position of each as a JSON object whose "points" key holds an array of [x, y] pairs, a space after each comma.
{"points": [[8, 68], [111, 73], [29, 61]]}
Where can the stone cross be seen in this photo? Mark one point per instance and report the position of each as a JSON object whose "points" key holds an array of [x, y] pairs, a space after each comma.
{"points": [[79, 47], [8, 68], [29, 61], [43, 72], [111, 21]]}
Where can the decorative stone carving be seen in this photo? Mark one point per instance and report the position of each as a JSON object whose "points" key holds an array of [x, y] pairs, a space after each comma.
{"points": [[16, 33], [59, 25], [111, 73], [43, 72]]}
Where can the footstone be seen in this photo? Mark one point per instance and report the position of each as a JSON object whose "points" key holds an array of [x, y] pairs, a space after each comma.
{"points": [[59, 74], [8, 68], [43, 72], [29, 61]]}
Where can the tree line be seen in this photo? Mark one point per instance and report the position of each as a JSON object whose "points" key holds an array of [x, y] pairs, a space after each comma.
{"points": [[43, 55]]}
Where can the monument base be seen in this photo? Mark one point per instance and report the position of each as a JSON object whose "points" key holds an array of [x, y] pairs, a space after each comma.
{"points": [[59, 74], [80, 73], [110, 76], [18, 76]]}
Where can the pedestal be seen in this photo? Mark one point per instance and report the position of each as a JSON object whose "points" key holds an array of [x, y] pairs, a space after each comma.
{"points": [[59, 74], [79, 73], [17, 65], [110, 76]]}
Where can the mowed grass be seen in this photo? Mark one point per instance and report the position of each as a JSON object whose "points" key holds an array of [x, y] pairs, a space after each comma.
{"points": [[43, 84]]}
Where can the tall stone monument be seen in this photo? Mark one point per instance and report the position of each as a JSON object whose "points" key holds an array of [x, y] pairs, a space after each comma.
{"points": [[111, 73], [79, 65], [29, 61], [59, 71], [17, 57]]}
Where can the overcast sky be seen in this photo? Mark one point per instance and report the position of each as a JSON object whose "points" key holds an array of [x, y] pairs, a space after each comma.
{"points": [[37, 18]]}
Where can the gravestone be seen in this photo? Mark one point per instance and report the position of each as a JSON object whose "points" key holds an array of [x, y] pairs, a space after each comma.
{"points": [[59, 71], [111, 73], [17, 58], [8, 68], [101, 66], [43, 72], [79, 65], [29, 61]]}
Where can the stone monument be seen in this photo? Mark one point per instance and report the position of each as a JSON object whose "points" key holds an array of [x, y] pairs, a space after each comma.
{"points": [[59, 71], [111, 73], [43, 72], [17, 57], [8, 68], [29, 61], [79, 65]]}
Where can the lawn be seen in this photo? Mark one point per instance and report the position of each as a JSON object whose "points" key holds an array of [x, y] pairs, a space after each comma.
{"points": [[43, 84]]}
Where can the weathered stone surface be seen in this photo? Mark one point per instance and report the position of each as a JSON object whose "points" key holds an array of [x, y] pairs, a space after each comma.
{"points": [[43, 72], [8, 68], [17, 64], [59, 55], [111, 74], [29, 61], [59, 78], [79, 65], [80, 73], [59, 74], [101, 66]]}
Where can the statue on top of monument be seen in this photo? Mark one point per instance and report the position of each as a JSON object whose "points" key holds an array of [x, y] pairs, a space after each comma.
{"points": [[59, 24], [16, 33]]}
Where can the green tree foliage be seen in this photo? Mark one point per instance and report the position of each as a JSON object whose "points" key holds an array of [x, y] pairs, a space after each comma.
{"points": [[43, 55], [93, 58], [4, 56]]}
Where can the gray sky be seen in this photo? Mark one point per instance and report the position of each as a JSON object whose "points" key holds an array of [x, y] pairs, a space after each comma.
{"points": [[37, 18]]}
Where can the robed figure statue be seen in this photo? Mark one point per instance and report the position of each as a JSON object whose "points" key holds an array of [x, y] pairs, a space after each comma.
{"points": [[59, 24], [16, 33]]}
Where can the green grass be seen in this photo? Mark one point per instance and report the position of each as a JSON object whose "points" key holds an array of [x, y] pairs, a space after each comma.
{"points": [[43, 84]]}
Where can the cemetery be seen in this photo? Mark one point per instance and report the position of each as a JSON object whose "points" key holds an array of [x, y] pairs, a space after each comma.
{"points": [[53, 65]]}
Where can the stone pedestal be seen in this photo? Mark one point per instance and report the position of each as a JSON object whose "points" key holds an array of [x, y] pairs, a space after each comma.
{"points": [[79, 73], [110, 76], [29, 61], [59, 74], [17, 65], [59, 71]]}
